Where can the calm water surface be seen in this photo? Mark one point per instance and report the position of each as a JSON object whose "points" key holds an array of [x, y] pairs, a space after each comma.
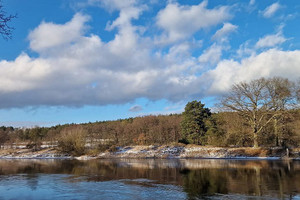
{"points": [[149, 179]]}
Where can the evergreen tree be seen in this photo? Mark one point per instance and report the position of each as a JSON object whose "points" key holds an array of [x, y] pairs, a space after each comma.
{"points": [[193, 125]]}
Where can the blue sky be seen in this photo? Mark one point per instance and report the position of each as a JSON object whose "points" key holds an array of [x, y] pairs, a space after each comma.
{"points": [[92, 60]]}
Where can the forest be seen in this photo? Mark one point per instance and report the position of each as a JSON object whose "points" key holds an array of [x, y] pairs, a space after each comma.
{"points": [[259, 113]]}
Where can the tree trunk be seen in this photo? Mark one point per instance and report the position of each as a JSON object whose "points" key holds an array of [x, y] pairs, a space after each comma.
{"points": [[258, 185], [255, 137], [276, 132]]}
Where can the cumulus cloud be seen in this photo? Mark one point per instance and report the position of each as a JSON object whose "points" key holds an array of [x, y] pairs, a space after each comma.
{"points": [[271, 10], [266, 64], [136, 108], [72, 67], [84, 70], [222, 33], [22, 74], [211, 55], [56, 34], [270, 40], [128, 11], [179, 22]]}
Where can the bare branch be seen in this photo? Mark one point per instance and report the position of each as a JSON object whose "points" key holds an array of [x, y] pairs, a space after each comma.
{"points": [[5, 29], [260, 101]]}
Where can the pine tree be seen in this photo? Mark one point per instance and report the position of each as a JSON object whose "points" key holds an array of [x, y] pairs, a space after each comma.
{"points": [[193, 125]]}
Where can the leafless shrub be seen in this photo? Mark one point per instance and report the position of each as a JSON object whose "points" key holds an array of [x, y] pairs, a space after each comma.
{"points": [[72, 140]]}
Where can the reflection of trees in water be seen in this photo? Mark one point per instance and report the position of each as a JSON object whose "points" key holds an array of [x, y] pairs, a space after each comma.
{"points": [[279, 182], [199, 178], [32, 181], [30, 169], [204, 182], [31, 174]]}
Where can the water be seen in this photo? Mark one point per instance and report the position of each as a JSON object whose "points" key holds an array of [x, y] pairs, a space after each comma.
{"points": [[149, 179]]}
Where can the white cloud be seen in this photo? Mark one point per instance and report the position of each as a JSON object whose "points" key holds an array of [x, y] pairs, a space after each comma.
{"points": [[180, 22], [211, 55], [270, 40], [245, 50], [115, 4], [271, 10], [110, 5], [251, 2], [74, 68], [87, 71], [267, 64], [128, 11], [56, 34], [22, 74], [222, 33]]}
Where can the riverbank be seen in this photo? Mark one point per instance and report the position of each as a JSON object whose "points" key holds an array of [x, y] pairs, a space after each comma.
{"points": [[195, 151], [160, 151], [44, 153]]}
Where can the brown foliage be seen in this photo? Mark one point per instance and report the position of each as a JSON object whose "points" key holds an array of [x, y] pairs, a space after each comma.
{"points": [[230, 129], [72, 140]]}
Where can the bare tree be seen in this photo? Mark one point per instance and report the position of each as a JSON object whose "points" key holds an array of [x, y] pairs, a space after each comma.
{"points": [[5, 29], [259, 102], [281, 97]]}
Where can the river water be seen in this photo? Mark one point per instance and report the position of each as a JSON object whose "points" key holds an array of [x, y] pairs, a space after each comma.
{"points": [[149, 179]]}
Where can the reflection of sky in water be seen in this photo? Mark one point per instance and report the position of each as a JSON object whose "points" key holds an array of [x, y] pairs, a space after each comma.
{"points": [[149, 179], [46, 186]]}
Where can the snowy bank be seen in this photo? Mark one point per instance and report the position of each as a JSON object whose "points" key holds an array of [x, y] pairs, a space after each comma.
{"points": [[161, 151], [194, 151], [45, 153]]}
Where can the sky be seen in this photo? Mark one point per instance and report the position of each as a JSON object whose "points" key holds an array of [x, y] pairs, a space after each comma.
{"points": [[93, 60]]}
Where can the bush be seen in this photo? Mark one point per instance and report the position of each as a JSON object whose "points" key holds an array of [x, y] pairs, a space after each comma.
{"points": [[34, 146], [110, 147], [92, 152], [72, 140]]}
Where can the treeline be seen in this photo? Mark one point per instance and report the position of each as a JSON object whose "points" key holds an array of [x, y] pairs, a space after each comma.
{"points": [[230, 129], [102, 135], [259, 113]]}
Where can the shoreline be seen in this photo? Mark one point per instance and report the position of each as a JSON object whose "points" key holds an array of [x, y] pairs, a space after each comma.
{"points": [[162, 152]]}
